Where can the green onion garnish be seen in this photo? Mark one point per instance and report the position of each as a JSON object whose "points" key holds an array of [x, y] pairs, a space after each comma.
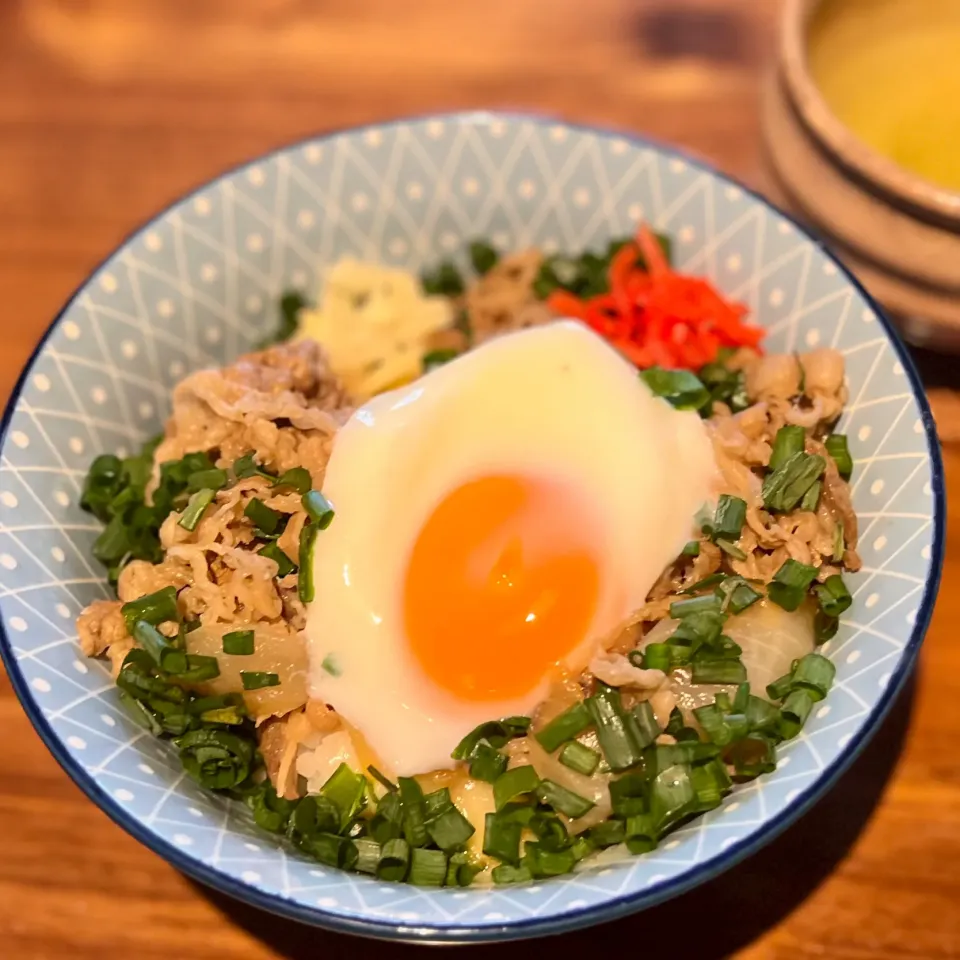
{"points": [[367, 855], [284, 564], [672, 796], [780, 687], [414, 827], [752, 756], [483, 256], [383, 780], [641, 833], [814, 674], [836, 445], [790, 584], [394, 860], [216, 759], [731, 549], [784, 488], [506, 873], [329, 848], [461, 870], [646, 727], [487, 763], [271, 812], [262, 516], [437, 358], [246, 466], [811, 499], [714, 724], [213, 479], [501, 838], [306, 589], [710, 782], [238, 643], [608, 833], [656, 656], [562, 800], [165, 654], [786, 444], [154, 608], [762, 716], [347, 790], [330, 665], [495, 732], [297, 478], [705, 602], [736, 595], [680, 388], [318, 507], [729, 518], [436, 802], [450, 829], [194, 509], [794, 712], [428, 868], [615, 735], [579, 757], [718, 671], [513, 784], [547, 863], [740, 699], [833, 595], [824, 627], [198, 669], [573, 721], [444, 281], [628, 794], [691, 549], [258, 679]]}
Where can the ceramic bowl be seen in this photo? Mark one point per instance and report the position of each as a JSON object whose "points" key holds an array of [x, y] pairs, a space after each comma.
{"points": [[198, 284], [897, 231]]}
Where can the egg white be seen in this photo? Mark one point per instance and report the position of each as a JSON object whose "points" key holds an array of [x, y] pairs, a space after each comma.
{"points": [[554, 401]]}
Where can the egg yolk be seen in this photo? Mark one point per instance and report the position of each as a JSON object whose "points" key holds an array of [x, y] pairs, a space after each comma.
{"points": [[501, 585]]}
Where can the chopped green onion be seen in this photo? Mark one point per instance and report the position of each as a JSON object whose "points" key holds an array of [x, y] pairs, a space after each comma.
{"points": [[514, 783], [284, 564], [706, 583], [615, 736], [461, 870], [262, 516], [579, 757], [752, 756], [736, 595], [394, 860], [731, 549], [691, 549], [608, 833], [698, 628], [680, 388], [330, 665], [387, 824], [708, 785], [216, 759], [436, 802], [483, 256], [506, 873], [641, 833], [231, 716], [814, 674], [213, 479], [165, 654], [437, 358], [495, 732], [794, 712], [547, 863], [672, 796], [329, 848], [154, 608], [270, 811], [811, 499], [718, 671], [258, 679], [574, 720], [740, 700], [297, 478], [194, 509], [414, 827], [780, 687], [790, 584], [784, 488], [836, 445], [562, 800], [520, 812], [383, 780], [367, 855], [238, 643], [487, 763], [450, 829], [824, 627], [501, 838], [198, 668], [581, 847], [646, 727], [729, 518], [628, 795], [246, 466], [444, 281], [347, 790], [714, 724], [306, 588], [704, 603], [318, 507], [833, 595], [656, 656], [762, 716], [787, 443]]}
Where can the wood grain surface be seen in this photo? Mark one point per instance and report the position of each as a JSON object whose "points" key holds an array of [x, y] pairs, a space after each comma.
{"points": [[111, 108]]}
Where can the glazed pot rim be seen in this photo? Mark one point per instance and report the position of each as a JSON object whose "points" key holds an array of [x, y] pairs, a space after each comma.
{"points": [[838, 139]]}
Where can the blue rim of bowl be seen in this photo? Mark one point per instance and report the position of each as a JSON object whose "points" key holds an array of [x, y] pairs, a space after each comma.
{"points": [[618, 906]]}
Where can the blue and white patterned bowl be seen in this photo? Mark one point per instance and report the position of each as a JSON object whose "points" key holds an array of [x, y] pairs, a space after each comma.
{"points": [[198, 285]]}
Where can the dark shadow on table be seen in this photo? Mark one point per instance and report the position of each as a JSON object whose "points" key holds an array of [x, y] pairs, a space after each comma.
{"points": [[712, 921]]}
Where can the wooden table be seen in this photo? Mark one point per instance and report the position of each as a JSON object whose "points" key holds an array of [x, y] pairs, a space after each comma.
{"points": [[109, 109]]}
